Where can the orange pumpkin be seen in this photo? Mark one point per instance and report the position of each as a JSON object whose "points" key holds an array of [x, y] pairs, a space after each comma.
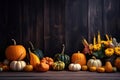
{"points": [[117, 63], [15, 52], [48, 61], [43, 67], [78, 56]]}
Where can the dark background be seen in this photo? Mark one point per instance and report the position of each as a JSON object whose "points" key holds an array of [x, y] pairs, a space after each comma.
{"points": [[51, 23]]}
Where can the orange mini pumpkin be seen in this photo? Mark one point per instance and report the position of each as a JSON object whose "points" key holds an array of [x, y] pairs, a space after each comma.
{"points": [[78, 56], [43, 67], [15, 52]]}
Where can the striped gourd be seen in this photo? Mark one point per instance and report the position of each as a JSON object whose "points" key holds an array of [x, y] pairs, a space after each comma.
{"points": [[58, 65]]}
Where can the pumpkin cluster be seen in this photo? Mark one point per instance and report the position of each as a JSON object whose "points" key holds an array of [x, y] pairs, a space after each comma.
{"points": [[100, 56]]}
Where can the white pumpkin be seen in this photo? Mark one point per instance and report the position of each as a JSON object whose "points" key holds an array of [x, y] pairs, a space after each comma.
{"points": [[17, 65], [74, 67], [94, 62]]}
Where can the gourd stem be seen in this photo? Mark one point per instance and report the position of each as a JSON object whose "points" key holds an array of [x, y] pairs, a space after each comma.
{"points": [[31, 45], [78, 51], [94, 57], [63, 50], [14, 41]]}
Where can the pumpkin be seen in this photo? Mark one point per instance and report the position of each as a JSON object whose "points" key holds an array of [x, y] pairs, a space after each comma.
{"points": [[36, 51], [108, 67], [1, 69], [94, 62], [58, 65], [78, 56], [43, 67], [109, 52], [101, 69], [117, 63], [33, 59], [5, 68], [48, 61], [15, 52], [74, 66], [28, 68], [62, 57], [92, 68], [117, 51], [17, 65], [84, 67]]}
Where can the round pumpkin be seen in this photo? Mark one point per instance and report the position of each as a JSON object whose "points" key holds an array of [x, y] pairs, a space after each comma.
{"points": [[58, 65], [43, 67], [78, 56], [94, 62], [92, 68], [74, 67], [17, 65], [101, 69], [28, 68], [15, 52], [62, 57], [117, 63], [84, 67]]}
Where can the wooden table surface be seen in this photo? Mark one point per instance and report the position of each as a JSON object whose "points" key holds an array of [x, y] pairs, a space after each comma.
{"points": [[59, 75]]}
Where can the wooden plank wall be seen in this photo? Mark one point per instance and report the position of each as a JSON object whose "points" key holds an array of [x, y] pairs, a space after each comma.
{"points": [[51, 23]]}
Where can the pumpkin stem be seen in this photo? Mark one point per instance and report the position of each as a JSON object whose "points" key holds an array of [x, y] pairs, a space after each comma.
{"points": [[78, 51], [14, 41], [63, 50], [94, 57], [31, 44]]}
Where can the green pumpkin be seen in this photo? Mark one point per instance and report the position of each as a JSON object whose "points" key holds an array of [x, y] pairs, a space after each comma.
{"points": [[37, 52], [58, 65], [62, 57]]}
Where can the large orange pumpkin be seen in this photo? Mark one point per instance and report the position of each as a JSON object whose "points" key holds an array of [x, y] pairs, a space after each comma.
{"points": [[79, 57], [15, 52]]}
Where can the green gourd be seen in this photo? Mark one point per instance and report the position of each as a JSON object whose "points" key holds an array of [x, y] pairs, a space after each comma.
{"points": [[62, 57], [36, 51], [58, 65]]}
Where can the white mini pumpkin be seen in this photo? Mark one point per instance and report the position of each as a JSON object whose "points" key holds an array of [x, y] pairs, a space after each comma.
{"points": [[17, 65], [94, 62], [74, 67]]}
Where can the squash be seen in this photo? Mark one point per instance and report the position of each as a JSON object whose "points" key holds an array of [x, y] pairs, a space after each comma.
{"points": [[28, 68], [84, 67], [108, 67], [17, 65], [37, 51], [94, 62], [62, 57], [117, 63], [48, 60], [33, 59], [114, 69], [58, 65], [78, 56], [109, 52], [74, 66], [15, 52], [92, 68], [43, 67], [101, 69]]}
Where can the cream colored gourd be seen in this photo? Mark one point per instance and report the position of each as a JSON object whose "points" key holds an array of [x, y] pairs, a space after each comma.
{"points": [[94, 62], [74, 67], [17, 65]]}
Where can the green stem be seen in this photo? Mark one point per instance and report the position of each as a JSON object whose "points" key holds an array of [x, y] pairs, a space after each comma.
{"points": [[31, 45], [14, 41], [63, 50]]}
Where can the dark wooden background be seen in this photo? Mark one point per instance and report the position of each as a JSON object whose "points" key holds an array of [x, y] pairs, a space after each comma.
{"points": [[50, 23]]}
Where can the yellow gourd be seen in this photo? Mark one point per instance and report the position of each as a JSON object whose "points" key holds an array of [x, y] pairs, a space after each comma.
{"points": [[108, 67]]}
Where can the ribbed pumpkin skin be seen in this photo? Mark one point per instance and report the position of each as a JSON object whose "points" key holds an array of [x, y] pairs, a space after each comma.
{"points": [[34, 59], [15, 52], [78, 56], [58, 65], [117, 63]]}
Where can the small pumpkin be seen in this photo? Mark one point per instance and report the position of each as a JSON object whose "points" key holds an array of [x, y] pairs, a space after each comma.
{"points": [[74, 67], [17, 65], [108, 67], [84, 67], [117, 63], [58, 65], [62, 57], [92, 68], [14, 52], [94, 62], [101, 69], [28, 68], [114, 69], [5, 68], [48, 60], [36, 51], [117, 51], [109, 52], [78, 56], [43, 67]]}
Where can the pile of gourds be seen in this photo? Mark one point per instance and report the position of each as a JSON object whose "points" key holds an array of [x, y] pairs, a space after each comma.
{"points": [[20, 59]]}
